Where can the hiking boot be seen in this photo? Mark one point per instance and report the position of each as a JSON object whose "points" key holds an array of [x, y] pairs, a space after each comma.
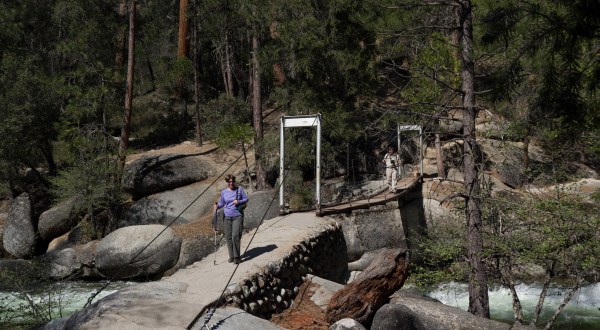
{"points": [[236, 260]]}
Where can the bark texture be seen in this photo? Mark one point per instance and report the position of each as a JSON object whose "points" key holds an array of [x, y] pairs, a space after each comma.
{"points": [[360, 299], [124, 141], [182, 35], [261, 177], [478, 288]]}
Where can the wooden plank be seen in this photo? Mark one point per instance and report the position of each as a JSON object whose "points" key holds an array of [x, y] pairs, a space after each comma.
{"points": [[378, 199]]}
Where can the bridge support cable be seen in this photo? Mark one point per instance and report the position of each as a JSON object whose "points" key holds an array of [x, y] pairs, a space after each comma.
{"points": [[210, 309], [102, 288]]}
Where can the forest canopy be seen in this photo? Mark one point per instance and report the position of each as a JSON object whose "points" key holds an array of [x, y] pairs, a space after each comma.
{"points": [[76, 76]]}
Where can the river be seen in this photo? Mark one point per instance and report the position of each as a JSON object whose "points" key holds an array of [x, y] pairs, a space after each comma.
{"points": [[583, 312], [63, 299]]}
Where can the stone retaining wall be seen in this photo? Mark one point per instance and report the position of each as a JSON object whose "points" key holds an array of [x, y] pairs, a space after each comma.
{"points": [[274, 287]]}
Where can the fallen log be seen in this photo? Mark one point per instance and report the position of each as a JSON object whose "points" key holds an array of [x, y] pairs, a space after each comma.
{"points": [[360, 299]]}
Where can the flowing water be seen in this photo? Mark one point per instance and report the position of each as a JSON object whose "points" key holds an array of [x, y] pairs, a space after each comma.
{"points": [[64, 298], [582, 312]]}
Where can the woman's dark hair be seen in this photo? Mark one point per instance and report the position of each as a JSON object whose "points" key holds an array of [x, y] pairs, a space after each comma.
{"points": [[392, 147], [229, 177]]}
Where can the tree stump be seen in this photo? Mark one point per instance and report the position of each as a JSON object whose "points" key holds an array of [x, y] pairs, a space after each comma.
{"points": [[360, 299]]}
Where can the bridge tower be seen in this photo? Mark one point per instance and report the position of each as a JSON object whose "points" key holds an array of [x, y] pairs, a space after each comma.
{"points": [[299, 121]]}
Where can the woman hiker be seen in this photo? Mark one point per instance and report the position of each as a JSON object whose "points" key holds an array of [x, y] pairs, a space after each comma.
{"points": [[233, 199]]}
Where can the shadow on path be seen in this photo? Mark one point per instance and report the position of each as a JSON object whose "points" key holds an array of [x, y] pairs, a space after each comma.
{"points": [[255, 252]]}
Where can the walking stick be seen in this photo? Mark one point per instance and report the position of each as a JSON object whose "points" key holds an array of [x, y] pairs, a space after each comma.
{"points": [[215, 222]]}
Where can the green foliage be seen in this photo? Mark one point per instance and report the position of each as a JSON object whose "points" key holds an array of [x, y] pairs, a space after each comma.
{"points": [[302, 196], [326, 52], [443, 253], [223, 114], [542, 71], [39, 300], [89, 181], [29, 108], [435, 70], [557, 232], [234, 134], [180, 76]]}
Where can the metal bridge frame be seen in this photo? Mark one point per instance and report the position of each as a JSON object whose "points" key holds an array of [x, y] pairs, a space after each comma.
{"points": [[413, 128], [299, 121]]}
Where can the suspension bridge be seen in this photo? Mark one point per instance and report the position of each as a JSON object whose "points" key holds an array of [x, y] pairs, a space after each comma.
{"points": [[187, 299]]}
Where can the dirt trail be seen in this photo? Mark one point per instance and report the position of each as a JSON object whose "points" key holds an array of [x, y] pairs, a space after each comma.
{"points": [[220, 159]]}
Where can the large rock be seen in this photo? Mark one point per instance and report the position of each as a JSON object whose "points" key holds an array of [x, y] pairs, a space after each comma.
{"points": [[408, 311], [260, 206], [507, 158], [195, 249], [72, 262], [493, 129], [152, 174], [347, 324], [360, 299], [142, 293], [400, 317], [363, 234], [364, 261], [256, 210], [177, 206], [583, 188], [19, 237], [57, 220], [116, 252], [322, 290], [3, 253]]}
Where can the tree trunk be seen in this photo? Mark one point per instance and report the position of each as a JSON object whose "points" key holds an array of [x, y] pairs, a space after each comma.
{"points": [[278, 73], [526, 153], [182, 41], [12, 185], [182, 46], [360, 299], [540, 304], [516, 302], [228, 73], [196, 80], [121, 41], [439, 157], [150, 68], [247, 167], [478, 288], [124, 141], [46, 149], [261, 180], [564, 303]]}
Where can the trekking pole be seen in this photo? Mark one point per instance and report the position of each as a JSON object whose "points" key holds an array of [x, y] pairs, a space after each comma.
{"points": [[215, 222]]}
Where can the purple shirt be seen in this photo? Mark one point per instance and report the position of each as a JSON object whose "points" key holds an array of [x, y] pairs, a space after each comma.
{"points": [[227, 198]]}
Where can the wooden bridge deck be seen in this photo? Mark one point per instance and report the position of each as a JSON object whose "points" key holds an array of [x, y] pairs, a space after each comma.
{"points": [[403, 187]]}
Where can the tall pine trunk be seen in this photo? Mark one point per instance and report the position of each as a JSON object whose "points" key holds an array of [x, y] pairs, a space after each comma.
{"points": [[197, 120], [228, 68], [182, 47], [261, 181], [182, 40], [124, 141], [478, 288]]}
